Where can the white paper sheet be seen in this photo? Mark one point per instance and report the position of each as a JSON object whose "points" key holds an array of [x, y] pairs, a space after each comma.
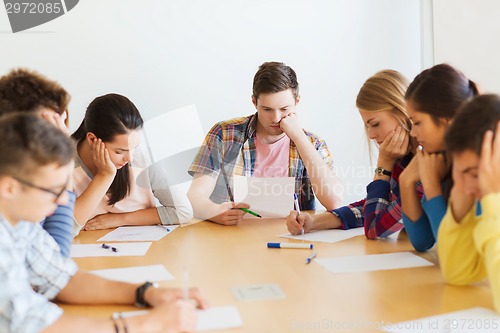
{"points": [[148, 233], [136, 274], [477, 320], [218, 318], [95, 250], [372, 262], [328, 236], [268, 197], [215, 318]]}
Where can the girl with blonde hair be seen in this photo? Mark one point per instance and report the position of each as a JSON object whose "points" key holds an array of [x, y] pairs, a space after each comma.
{"points": [[381, 106]]}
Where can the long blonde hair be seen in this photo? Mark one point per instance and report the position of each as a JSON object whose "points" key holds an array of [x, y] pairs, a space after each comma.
{"points": [[385, 91]]}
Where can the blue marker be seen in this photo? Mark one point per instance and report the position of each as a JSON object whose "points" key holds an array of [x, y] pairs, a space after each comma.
{"points": [[289, 246]]}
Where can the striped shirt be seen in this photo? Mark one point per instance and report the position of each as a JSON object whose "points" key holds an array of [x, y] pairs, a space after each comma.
{"points": [[380, 212], [231, 144], [32, 271], [60, 224]]}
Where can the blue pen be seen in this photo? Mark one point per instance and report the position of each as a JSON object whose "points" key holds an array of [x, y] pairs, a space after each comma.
{"points": [[311, 257], [297, 208]]}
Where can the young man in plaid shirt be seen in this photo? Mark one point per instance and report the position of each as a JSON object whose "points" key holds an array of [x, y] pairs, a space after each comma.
{"points": [[269, 143]]}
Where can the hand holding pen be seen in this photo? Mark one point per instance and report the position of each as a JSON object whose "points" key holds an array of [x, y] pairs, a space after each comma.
{"points": [[232, 216], [230, 213], [297, 208], [296, 224], [243, 206]]}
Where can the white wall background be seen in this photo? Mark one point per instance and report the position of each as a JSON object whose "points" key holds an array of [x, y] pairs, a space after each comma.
{"points": [[466, 35], [171, 53]]}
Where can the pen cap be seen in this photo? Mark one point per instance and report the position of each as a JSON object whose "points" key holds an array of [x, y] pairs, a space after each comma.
{"points": [[273, 245]]}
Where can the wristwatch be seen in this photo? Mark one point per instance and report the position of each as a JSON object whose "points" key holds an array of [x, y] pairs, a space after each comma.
{"points": [[140, 291], [382, 172]]}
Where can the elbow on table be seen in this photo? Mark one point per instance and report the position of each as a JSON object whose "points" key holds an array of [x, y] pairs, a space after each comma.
{"points": [[461, 272], [453, 278], [371, 233], [422, 245], [185, 214]]}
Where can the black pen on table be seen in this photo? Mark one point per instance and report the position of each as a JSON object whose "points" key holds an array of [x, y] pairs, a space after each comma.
{"points": [[112, 248]]}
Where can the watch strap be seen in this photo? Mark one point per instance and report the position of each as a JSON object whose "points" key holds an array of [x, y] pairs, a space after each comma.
{"points": [[140, 292]]}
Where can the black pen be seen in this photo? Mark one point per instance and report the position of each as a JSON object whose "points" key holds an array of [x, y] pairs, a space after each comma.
{"points": [[112, 248]]}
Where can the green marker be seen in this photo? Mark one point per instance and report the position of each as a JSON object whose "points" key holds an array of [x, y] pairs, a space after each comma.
{"points": [[250, 212]]}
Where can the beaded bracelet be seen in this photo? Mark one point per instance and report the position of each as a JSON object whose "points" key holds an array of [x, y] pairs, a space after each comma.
{"points": [[118, 315], [115, 324], [124, 323]]}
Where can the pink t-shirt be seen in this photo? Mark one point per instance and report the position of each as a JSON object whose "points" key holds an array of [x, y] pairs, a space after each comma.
{"points": [[272, 160]]}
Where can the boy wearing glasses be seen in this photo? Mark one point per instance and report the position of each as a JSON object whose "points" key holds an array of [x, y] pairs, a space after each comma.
{"points": [[35, 166]]}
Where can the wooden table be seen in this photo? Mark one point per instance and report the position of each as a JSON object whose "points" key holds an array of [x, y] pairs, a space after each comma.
{"points": [[220, 257]]}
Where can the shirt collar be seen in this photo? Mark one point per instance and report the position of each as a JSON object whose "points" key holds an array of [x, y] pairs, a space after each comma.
{"points": [[252, 126]]}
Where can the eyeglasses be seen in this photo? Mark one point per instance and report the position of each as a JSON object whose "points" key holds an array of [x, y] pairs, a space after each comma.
{"points": [[57, 195]]}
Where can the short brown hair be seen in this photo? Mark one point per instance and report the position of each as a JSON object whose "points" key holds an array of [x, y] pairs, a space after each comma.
{"points": [[474, 118], [25, 90], [274, 77], [28, 142]]}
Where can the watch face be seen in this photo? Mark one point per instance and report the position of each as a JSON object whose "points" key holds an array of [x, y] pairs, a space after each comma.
{"points": [[382, 172]]}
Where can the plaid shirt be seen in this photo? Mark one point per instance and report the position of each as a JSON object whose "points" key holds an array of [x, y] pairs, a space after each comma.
{"points": [[234, 140], [32, 271], [380, 212]]}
